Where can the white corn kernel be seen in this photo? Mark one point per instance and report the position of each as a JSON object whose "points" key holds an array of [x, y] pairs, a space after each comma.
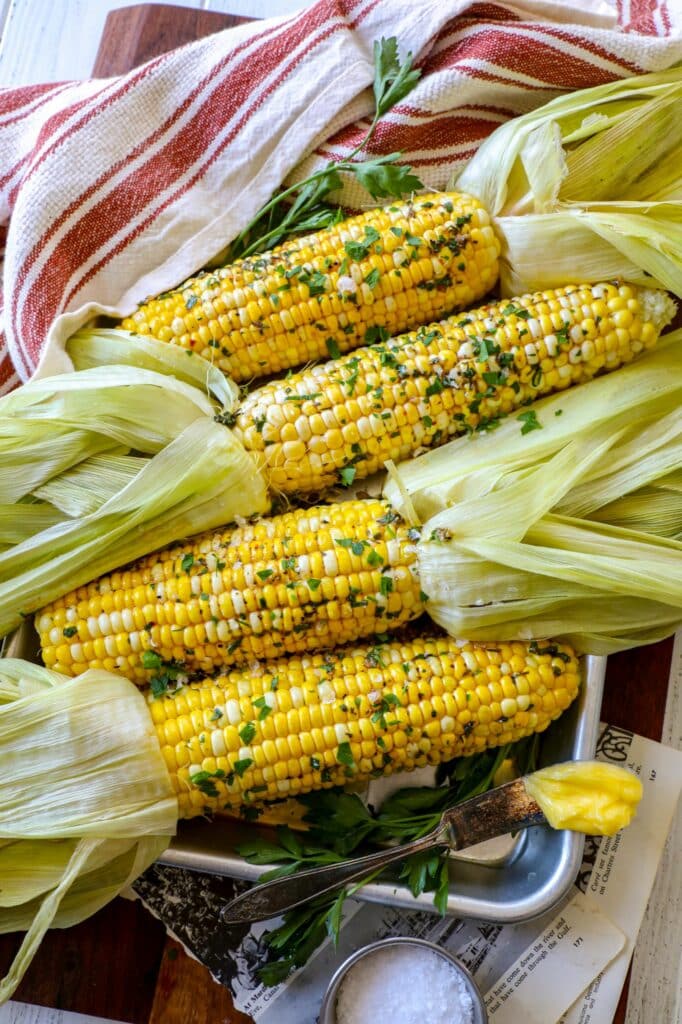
{"points": [[233, 711], [218, 743], [93, 626], [534, 327]]}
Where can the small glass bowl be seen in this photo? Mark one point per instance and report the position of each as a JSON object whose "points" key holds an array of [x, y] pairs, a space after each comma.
{"points": [[328, 1008]]}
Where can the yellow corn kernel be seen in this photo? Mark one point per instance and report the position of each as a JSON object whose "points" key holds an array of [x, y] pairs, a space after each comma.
{"points": [[305, 580]]}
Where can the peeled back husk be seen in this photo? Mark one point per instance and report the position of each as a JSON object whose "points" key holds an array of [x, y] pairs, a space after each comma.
{"points": [[594, 177], [203, 478], [637, 242], [86, 802], [517, 541], [603, 143], [107, 463]]}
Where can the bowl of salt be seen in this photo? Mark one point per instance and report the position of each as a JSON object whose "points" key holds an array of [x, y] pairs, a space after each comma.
{"points": [[404, 981]]}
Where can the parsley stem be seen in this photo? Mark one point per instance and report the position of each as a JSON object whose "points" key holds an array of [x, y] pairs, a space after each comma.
{"points": [[393, 80], [261, 243]]}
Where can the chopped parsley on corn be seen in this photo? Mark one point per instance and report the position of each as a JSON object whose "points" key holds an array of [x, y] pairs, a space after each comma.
{"points": [[305, 580], [290, 726], [343, 419], [383, 270]]}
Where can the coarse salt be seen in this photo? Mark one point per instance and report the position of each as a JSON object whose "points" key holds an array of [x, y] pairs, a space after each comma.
{"points": [[404, 984]]}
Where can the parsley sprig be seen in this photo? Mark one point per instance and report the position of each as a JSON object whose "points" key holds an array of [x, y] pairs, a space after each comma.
{"points": [[339, 824], [301, 207]]}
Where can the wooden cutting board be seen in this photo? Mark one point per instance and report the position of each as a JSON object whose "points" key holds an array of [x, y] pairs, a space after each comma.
{"points": [[134, 35], [120, 965]]}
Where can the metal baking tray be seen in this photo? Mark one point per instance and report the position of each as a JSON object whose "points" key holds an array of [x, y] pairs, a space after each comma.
{"points": [[506, 880]]}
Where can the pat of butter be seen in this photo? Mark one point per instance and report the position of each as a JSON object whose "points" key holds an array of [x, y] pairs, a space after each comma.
{"points": [[586, 796]]}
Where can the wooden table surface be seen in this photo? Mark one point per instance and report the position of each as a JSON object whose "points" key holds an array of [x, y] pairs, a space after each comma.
{"points": [[120, 964]]}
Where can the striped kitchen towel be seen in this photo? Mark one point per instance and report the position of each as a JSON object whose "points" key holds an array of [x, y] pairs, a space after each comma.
{"points": [[113, 190]]}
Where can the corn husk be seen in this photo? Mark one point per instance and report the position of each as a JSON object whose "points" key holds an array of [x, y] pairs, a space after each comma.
{"points": [[86, 487], [639, 242], [86, 802], [518, 541], [110, 462], [593, 177], [19, 522], [654, 509], [592, 144], [54, 423], [204, 478], [100, 346]]}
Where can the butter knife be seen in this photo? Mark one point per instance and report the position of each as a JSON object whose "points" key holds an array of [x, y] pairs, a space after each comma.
{"points": [[506, 808]]}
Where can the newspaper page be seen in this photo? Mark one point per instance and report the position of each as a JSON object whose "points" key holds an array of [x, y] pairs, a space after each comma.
{"points": [[572, 961], [622, 871], [22, 1013]]}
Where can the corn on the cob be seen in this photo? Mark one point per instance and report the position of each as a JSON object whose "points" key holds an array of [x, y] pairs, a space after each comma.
{"points": [[306, 580], [387, 269], [296, 725], [343, 419]]}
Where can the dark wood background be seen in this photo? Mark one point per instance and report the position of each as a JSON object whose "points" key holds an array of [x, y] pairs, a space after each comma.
{"points": [[120, 964]]}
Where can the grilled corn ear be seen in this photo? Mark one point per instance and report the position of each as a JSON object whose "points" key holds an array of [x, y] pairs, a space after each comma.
{"points": [[306, 580], [296, 725], [383, 270], [342, 420]]}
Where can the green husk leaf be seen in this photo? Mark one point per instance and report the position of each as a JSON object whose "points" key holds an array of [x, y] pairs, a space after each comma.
{"points": [[20, 678], [137, 408], [128, 455], [202, 479], [542, 175], [500, 563], [608, 115], [19, 522], [487, 599], [638, 242], [596, 586], [99, 346], [623, 159], [32, 453], [86, 802], [645, 453], [544, 165], [84, 488], [655, 509], [93, 739], [52, 424]]}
